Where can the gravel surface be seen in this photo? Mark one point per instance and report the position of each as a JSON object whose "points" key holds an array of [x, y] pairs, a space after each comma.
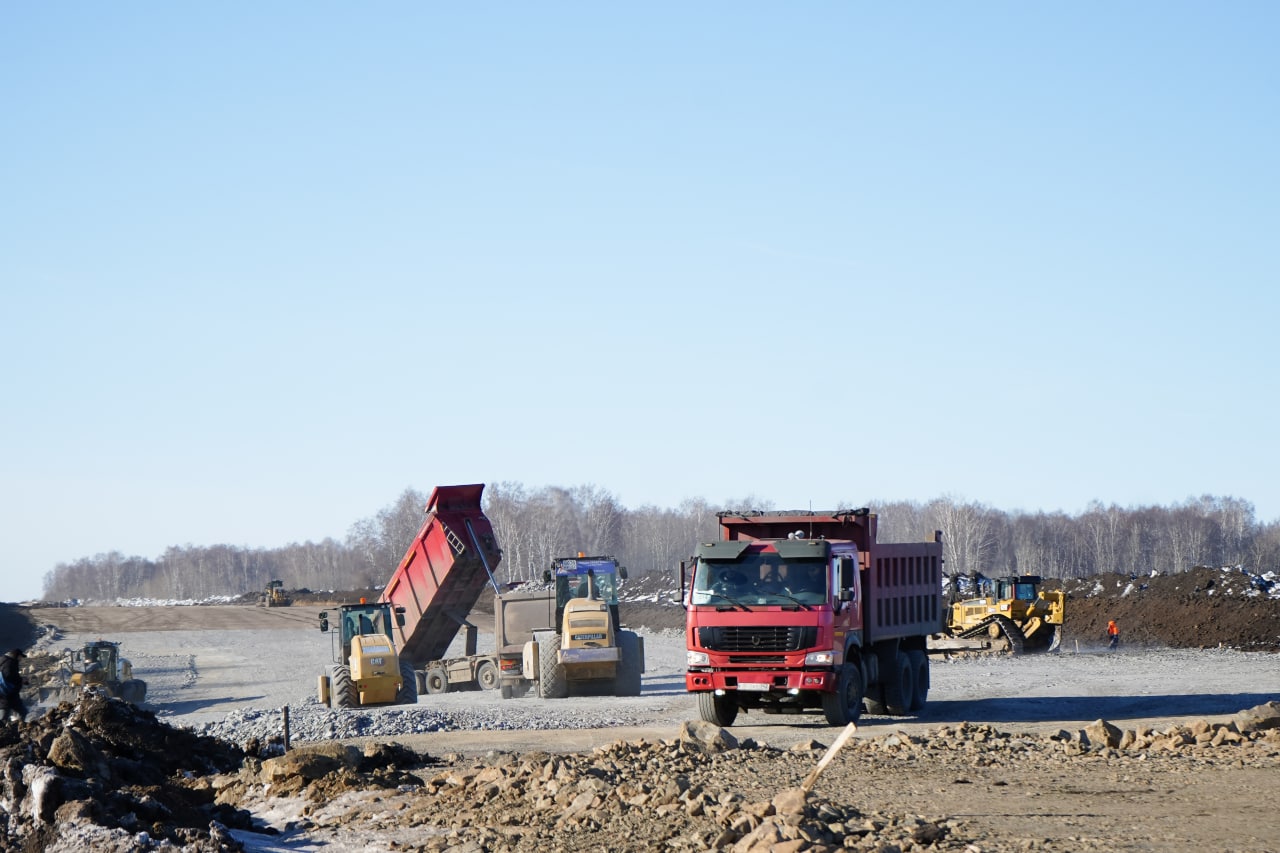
{"points": [[234, 683]]}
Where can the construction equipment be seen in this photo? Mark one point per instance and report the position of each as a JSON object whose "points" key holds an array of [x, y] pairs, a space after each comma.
{"points": [[805, 611], [1008, 614], [274, 595], [588, 646], [97, 664], [366, 669]]}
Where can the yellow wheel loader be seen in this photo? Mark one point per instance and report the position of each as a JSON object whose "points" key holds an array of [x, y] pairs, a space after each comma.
{"points": [[274, 595], [97, 664], [366, 669], [1010, 614]]}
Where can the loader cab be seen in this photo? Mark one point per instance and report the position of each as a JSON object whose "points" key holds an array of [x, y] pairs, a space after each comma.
{"points": [[363, 620], [594, 578]]}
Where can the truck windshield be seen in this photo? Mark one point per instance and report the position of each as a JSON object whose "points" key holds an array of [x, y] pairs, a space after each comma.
{"points": [[760, 579]]}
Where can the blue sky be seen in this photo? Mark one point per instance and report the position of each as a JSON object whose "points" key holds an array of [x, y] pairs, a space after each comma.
{"points": [[266, 265]]}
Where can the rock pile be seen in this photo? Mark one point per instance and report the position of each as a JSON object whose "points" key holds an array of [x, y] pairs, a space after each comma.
{"points": [[702, 791], [101, 774]]}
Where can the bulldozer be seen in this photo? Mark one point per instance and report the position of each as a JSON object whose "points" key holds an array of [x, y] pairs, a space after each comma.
{"points": [[274, 595], [97, 664], [1008, 614]]}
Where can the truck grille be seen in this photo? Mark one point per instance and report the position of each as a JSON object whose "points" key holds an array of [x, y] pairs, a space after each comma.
{"points": [[764, 639]]}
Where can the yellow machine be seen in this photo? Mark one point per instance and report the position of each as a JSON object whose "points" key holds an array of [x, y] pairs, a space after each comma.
{"points": [[589, 648], [274, 595], [97, 664], [1009, 614], [366, 669]]}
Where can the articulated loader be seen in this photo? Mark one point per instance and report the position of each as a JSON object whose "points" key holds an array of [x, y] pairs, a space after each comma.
{"points": [[1009, 614], [366, 669]]}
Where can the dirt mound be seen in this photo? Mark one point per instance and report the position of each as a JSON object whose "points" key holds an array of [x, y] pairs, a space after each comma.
{"points": [[1201, 608], [104, 772]]}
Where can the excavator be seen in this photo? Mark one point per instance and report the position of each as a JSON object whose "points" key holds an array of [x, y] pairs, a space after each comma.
{"points": [[1008, 614]]}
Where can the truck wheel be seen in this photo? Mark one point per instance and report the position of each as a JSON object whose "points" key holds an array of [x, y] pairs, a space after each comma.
{"points": [[342, 692], [487, 675], [552, 682], [919, 678], [408, 694], [437, 680], [721, 710], [899, 689], [630, 665], [844, 706]]}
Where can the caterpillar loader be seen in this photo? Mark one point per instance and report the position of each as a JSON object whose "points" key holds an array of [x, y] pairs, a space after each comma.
{"points": [[97, 664], [366, 669], [274, 595], [1009, 614]]}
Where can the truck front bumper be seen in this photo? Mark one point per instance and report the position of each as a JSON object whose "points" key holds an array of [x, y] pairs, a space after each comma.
{"points": [[759, 681]]}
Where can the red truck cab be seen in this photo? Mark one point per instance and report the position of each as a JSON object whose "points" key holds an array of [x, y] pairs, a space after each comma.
{"points": [[795, 612]]}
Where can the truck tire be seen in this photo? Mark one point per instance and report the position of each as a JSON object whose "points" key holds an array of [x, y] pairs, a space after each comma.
{"points": [[630, 666], [919, 678], [437, 680], [552, 682], [721, 710], [899, 686], [487, 675], [408, 694], [844, 706], [342, 691]]}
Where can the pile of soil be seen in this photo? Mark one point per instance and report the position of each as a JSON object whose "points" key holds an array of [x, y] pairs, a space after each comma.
{"points": [[1200, 608], [99, 773]]}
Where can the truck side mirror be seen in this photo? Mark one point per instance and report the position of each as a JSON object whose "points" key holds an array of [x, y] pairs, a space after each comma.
{"points": [[546, 576], [324, 621], [400, 616], [622, 572], [846, 595]]}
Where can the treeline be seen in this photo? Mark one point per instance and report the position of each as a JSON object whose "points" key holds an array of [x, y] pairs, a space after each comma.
{"points": [[535, 526]]}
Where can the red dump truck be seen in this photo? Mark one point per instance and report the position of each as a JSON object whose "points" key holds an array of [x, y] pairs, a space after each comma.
{"points": [[451, 560], [799, 611]]}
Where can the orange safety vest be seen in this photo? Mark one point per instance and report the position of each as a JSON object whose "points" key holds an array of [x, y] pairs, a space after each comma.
{"points": [[1112, 630]]}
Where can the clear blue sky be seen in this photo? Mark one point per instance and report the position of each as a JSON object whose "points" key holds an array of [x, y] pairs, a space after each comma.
{"points": [[266, 265]]}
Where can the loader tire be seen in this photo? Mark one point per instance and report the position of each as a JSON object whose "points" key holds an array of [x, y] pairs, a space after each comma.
{"points": [[630, 664], [408, 693], [487, 677], [899, 686], [552, 681], [844, 706], [133, 691], [919, 678], [437, 680], [342, 690], [720, 710]]}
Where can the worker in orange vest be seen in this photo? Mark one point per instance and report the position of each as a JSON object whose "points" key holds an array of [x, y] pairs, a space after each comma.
{"points": [[1113, 635]]}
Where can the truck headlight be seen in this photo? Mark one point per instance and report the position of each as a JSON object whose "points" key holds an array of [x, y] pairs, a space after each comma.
{"points": [[697, 659], [820, 659]]}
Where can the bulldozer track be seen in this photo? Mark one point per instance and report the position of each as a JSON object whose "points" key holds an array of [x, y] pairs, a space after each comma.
{"points": [[1011, 632]]}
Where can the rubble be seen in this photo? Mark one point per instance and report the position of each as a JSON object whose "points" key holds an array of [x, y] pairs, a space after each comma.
{"points": [[101, 774]]}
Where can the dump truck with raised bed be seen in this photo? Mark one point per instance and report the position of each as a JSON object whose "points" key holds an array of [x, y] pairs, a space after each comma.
{"points": [[802, 611], [587, 647], [100, 664], [1007, 614], [445, 570]]}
